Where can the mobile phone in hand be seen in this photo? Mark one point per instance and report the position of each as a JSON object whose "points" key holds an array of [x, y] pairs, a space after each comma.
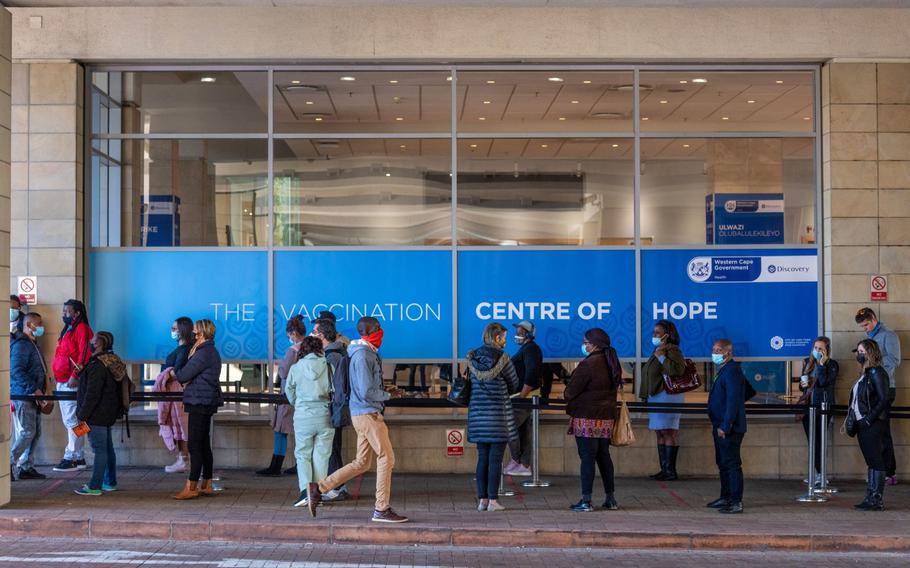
{"points": [[81, 429]]}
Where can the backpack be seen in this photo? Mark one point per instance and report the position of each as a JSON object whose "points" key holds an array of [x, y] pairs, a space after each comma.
{"points": [[341, 389]]}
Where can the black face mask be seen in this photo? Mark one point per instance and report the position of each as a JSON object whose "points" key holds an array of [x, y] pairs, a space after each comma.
{"points": [[861, 358]]}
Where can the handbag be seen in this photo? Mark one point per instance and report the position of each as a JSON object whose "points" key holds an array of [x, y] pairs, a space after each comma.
{"points": [[849, 427], [622, 428], [460, 393], [686, 382]]}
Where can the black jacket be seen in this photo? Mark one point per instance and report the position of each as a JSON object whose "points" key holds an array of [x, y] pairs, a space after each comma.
{"points": [[824, 378], [199, 377], [98, 395], [528, 362], [591, 392], [177, 358], [873, 395]]}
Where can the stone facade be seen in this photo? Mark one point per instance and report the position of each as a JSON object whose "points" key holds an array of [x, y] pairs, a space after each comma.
{"points": [[6, 62]]}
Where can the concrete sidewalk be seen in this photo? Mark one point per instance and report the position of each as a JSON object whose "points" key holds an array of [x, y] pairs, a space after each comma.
{"points": [[442, 510]]}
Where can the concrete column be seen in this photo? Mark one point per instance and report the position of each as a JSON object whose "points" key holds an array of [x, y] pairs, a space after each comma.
{"points": [[5, 129]]}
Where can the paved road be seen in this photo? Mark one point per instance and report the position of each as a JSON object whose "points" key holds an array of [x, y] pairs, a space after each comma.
{"points": [[40, 552]]}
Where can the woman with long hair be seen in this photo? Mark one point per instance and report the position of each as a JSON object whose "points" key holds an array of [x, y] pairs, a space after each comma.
{"points": [[870, 403], [666, 360]]}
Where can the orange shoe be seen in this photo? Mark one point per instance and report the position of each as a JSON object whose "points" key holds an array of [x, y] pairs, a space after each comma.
{"points": [[206, 488], [189, 491]]}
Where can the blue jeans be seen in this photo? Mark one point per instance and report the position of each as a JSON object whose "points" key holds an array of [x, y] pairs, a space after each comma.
{"points": [[594, 451], [104, 466], [25, 438], [730, 465], [489, 469]]}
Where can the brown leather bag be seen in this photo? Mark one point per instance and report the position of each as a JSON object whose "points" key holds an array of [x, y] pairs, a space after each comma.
{"points": [[688, 381]]}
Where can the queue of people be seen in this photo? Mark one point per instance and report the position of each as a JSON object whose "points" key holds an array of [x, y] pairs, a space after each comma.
{"points": [[330, 385]]}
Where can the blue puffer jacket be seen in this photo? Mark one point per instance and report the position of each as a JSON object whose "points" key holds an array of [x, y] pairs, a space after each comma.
{"points": [[199, 377], [26, 374], [493, 379]]}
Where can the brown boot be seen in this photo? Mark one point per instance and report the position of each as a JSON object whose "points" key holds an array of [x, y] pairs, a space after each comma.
{"points": [[189, 491], [206, 488]]}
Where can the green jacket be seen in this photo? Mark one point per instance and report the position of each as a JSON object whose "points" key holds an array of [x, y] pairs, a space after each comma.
{"points": [[652, 373], [308, 387]]}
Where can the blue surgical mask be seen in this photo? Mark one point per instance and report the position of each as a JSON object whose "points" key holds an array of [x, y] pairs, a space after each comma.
{"points": [[175, 335], [584, 350], [817, 355], [13, 314], [656, 341], [717, 358], [39, 331]]}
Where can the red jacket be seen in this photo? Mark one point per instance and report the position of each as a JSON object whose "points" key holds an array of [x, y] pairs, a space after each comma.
{"points": [[73, 345]]}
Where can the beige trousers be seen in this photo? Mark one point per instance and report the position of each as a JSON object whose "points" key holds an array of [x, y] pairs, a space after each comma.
{"points": [[372, 438]]}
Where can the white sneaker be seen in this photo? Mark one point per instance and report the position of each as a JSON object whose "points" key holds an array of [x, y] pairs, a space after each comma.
{"points": [[178, 466], [332, 495], [520, 471], [495, 506]]}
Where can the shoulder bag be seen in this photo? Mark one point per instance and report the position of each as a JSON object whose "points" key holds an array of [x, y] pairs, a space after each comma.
{"points": [[460, 393], [686, 382]]}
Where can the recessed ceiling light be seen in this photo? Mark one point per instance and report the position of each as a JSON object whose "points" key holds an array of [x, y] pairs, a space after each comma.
{"points": [[491, 82], [664, 101], [403, 146], [644, 118], [562, 118], [399, 118], [543, 145], [487, 102], [725, 118], [685, 145], [348, 78], [473, 145], [318, 119], [699, 80], [807, 118], [449, 78], [574, 102], [683, 82], [207, 79], [481, 118], [388, 175], [295, 82], [587, 81], [393, 81], [309, 102], [779, 82], [616, 145], [751, 102], [607, 115], [555, 79]]}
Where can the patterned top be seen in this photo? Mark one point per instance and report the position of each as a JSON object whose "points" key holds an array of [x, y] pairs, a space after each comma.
{"points": [[590, 428]]}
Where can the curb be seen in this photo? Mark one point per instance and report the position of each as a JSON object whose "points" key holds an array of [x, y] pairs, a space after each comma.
{"points": [[435, 536]]}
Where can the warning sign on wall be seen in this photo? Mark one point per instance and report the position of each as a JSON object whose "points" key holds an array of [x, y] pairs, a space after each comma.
{"points": [[455, 443], [27, 289], [878, 288]]}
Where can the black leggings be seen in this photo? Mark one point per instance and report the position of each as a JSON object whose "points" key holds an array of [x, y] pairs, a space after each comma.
{"points": [[200, 445], [872, 444]]}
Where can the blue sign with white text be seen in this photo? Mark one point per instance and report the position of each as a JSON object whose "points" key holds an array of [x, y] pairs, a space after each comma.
{"points": [[745, 218], [136, 295], [563, 292], [765, 301], [409, 292]]}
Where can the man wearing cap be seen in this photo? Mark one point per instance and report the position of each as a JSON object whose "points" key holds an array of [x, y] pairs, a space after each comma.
{"points": [[327, 315], [890, 345], [528, 362]]}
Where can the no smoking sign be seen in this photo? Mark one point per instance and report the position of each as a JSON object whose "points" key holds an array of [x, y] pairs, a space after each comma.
{"points": [[455, 443], [27, 290], [878, 288]]}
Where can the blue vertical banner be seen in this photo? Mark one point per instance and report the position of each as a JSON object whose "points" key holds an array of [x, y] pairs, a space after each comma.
{"points": [[136, 295], [764, 300], [409, 292], [745, 218], [564, 293]]}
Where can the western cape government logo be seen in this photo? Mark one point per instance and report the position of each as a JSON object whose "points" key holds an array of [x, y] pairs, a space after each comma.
{"points": [[711, 269], [777, 342]]}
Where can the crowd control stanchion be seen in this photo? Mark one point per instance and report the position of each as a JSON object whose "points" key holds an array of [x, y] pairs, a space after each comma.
{"points": [[824, 488], [216, 479], [503, 492], [810, 496], [535, 447]]}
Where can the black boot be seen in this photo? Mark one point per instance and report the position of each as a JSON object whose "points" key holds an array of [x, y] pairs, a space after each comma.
{"points": [[291, 470], [870, 489], [878, 503], [274, 469], [672, 452], [663, 458]]}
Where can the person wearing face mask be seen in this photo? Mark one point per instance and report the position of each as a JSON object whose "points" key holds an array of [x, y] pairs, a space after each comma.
{"points": [[282, 419], [491, 422], [72, 353], [591, 402], [334, 349], [15, 314], [890, 345], [28, 376], [869, 407], [817, 382], [528, 362], [666, 359], [727, 412], [367, 398], [172, 420]]}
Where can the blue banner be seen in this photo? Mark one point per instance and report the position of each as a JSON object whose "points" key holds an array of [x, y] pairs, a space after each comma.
{"points": [[765, 301], [409, 292], [564, 293], [745, 218], [136, 295]]}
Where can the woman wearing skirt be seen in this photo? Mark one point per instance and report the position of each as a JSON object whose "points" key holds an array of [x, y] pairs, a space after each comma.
{"points": [[667, 359]]}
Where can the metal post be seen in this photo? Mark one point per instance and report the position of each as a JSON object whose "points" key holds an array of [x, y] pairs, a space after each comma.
{"points": [[216, 479], [824, 488], [810, 496], [503, 492], [535, 445]]}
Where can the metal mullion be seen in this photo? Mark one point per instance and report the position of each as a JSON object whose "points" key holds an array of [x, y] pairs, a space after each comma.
{"points": [[728, 67], [339, 248], [102, 67], [734, 134], [362, 135], [819, 196], [545, 67], [473, 248], [270, 173], [636, 212], [454, 212], [524, 135], [183, 136], [178, 249], [764, 246], [366, 67]]}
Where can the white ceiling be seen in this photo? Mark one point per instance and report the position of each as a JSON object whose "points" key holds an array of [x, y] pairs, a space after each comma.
{"points": [[479, 3]]}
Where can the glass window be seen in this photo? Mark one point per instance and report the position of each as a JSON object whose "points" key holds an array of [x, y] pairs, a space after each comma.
{"points": [[363, 192], [751, 101], [183, 102], [182, 193], [545, 191], [728, 191], [369, 101], [544, 101]]}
